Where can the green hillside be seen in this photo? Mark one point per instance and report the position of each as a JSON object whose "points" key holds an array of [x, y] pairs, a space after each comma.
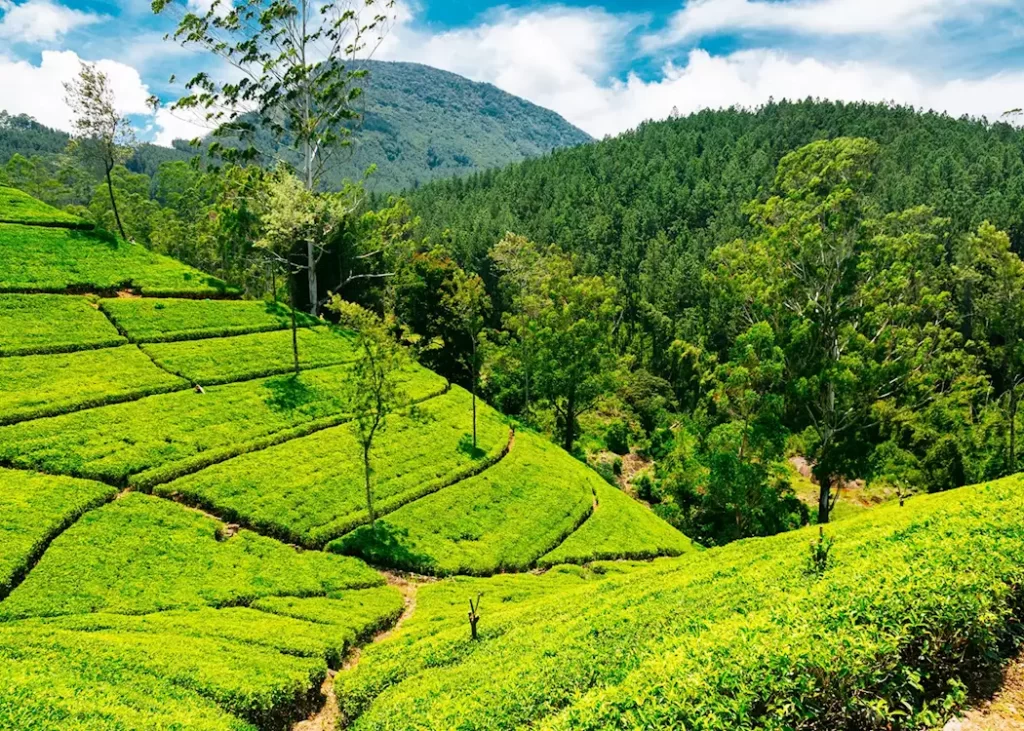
{"points": [[157, 458]]}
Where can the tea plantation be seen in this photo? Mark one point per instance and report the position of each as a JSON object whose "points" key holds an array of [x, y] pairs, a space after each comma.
{"points": [[183, 527]]}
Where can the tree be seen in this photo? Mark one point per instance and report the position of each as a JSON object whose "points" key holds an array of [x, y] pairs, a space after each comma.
{"points": [[374, 391], [858, 303], [991, 281], [468, 302], [103, 138], [298, 83]]}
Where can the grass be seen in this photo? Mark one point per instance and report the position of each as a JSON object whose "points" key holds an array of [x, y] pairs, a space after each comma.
{"points": [[44, 323], [32, 386], [34, 509], [147, 320], [503, 519], [311, 490], [162, 437], [34, 259], [182, 669], [914, 605], [141, 554], [223, 360], [19, 207], [619, 528]]}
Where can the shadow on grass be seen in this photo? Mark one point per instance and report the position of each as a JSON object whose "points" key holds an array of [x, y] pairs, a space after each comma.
{"points": [[384, 545], [467, 448], [288, 393]]}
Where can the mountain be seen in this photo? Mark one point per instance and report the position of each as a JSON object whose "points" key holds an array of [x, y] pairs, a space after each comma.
{"points": [[421, 124]]}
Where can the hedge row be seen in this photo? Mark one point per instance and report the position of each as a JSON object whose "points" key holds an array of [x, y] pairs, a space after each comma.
{"points": [[141, 554], [162, 437], [19, 207], [36, 324], [34, 386], [147, 320], [34, 509], [619, 528], [503, 519], [225, 360], [424, 449], [913, 606], [35, 259]]}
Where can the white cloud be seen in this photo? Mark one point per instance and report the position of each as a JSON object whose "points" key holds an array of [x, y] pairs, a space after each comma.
{"points": [[39, 21], [177, 126], [817, 17], [38, 91]]}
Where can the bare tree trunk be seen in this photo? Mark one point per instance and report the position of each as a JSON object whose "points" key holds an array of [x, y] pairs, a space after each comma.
{"points": [[1013, 428], [113, 204], [311, 275], [824, 498], [570, 420], [369, 489]]}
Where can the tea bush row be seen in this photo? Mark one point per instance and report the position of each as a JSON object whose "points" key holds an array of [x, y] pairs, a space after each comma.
{"points": [[154, 320], [619, 528], [142, 554], [224, 360], [421, 450], [35, 259], [34, 324], [34, 509], [918, 603], [19, 207], [162, 437], [33, 386], [503, 519]]}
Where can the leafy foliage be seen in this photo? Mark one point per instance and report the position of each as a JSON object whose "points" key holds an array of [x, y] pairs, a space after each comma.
{"points": [[39, 324], [19, 207], [32, 386]]}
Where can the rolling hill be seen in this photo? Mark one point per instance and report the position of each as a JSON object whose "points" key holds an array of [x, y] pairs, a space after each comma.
{"points": [[419, 124], [184, 539]]}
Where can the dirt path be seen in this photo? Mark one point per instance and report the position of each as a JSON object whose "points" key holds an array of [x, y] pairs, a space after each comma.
{"points": [[329, 717], [1004, 712]]}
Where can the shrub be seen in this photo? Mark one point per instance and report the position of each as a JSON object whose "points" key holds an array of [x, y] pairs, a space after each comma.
{"points": [[32, 386], [616, 437], [42, 323]]}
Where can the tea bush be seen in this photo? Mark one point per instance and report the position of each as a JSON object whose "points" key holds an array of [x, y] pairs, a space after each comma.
{"points": [[917, 602], [503, 519], [142, 554], [619, 528], [34, 259], [223, 360], [19, 207], [150, 320], [45, 323], [162, 437], [420, 451], [32, 386], [34, 509]]}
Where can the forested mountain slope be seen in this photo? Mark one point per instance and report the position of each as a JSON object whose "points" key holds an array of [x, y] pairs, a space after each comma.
{"points": [[645, 204]]}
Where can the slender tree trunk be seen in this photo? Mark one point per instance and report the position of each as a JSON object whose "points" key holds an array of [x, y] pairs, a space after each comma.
{"points": [[369, 489], [113, 204], [570, 419], [824, 498], [295, 341], [1013, 428], [473, 375]]}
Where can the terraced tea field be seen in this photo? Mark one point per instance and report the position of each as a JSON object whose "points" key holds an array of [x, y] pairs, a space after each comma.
{"points": [[183, 538]]}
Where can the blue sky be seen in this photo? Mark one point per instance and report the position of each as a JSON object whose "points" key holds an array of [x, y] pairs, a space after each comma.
{"points": [[605, 66]]}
